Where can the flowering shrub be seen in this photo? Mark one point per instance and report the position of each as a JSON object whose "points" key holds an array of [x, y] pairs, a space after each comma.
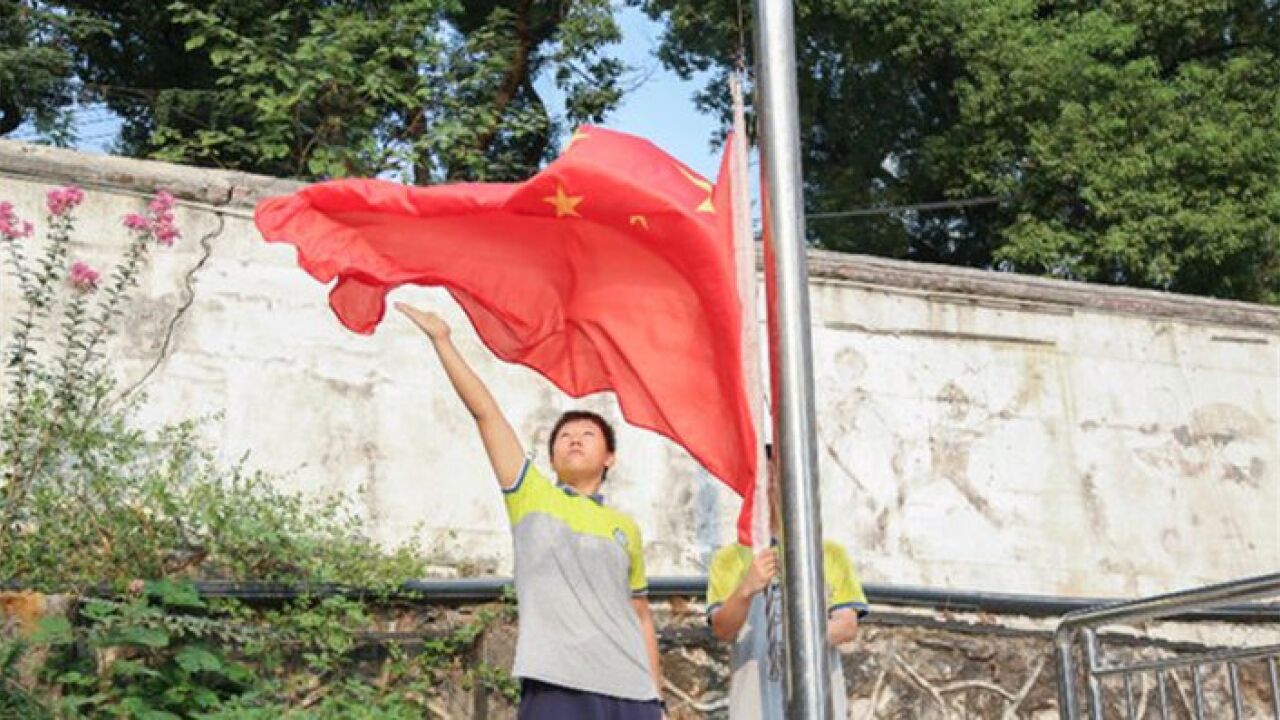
{"points": [[88, 499], [57, 378]]}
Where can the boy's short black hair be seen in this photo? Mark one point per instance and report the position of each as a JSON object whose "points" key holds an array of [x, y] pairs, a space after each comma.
{"points": [[606, 429]]}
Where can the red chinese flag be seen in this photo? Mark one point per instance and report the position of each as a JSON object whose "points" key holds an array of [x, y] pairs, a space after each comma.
{"points": [[612, 269]]}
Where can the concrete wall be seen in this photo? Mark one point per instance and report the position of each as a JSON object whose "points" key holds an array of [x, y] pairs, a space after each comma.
{"points": [[977, 430]]}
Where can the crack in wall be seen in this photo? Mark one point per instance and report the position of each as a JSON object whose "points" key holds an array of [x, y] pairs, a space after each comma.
{"points": [[188, 283]]}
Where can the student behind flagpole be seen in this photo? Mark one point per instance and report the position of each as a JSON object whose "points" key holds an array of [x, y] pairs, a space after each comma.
{"points": [[744, 607]]}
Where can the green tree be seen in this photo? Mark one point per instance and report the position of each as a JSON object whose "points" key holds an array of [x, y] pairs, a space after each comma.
{"points": [[131, 56], [434, 89], [35, 66], [1129, 141]]}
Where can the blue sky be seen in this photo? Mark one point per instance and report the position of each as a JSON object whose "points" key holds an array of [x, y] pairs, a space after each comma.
{"points": [[661, 109]]}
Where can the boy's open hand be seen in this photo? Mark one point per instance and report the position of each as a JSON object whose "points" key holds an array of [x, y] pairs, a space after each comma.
{"points": [[429, 322]]}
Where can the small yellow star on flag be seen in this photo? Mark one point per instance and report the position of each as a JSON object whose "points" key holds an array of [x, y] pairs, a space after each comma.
{"points": [[563, 203], [640, 220], [575, 137]]}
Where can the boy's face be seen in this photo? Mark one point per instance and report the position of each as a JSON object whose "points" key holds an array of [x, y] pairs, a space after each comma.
{"points": [[580, 450]]}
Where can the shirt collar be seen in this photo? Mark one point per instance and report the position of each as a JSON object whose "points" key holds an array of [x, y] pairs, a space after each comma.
{"points": [[598, 498]]}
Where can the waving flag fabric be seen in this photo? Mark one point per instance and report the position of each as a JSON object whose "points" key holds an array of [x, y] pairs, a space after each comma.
{"points": [[612, 269]]}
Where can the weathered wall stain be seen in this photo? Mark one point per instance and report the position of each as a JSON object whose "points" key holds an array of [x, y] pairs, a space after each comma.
{"points": [[1219, 441]]}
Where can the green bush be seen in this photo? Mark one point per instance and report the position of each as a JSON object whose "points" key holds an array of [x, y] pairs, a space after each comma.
{"points": [[127, 520]]}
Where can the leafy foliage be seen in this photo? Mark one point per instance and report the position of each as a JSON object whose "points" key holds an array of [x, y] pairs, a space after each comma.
{"points": [[1129, 141], [425, 89], [35, 67], [165, 653]]}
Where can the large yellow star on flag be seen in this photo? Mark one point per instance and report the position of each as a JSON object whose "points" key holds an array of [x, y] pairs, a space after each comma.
{"points": [[706, 206], [563, 202]]}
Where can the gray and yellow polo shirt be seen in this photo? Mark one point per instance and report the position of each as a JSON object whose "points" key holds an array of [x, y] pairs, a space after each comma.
{"points": [[578, 563], [756, 681]]}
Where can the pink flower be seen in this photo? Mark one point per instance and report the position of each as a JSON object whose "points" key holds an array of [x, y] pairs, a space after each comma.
{"points": [[158, 221], [11, 227], [62, 200], [167, 234], [162, 203], [83, 277], [135, 221], [136, 586]]}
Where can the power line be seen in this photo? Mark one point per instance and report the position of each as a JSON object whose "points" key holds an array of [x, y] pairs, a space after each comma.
{"points": [[88, 119], [917, 207]]}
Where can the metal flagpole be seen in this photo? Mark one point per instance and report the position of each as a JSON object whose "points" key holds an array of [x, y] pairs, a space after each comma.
{"points": [[745, 255], [808, 674]]}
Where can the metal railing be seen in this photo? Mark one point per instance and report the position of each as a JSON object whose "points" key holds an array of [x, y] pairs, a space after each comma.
{"points": [[1082, 625]]}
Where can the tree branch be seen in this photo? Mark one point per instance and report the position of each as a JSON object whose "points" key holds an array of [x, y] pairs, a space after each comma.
{"points": [[515, 74]]}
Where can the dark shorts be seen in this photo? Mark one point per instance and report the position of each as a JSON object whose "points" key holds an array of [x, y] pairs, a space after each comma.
{"points": [[544, 701]]}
